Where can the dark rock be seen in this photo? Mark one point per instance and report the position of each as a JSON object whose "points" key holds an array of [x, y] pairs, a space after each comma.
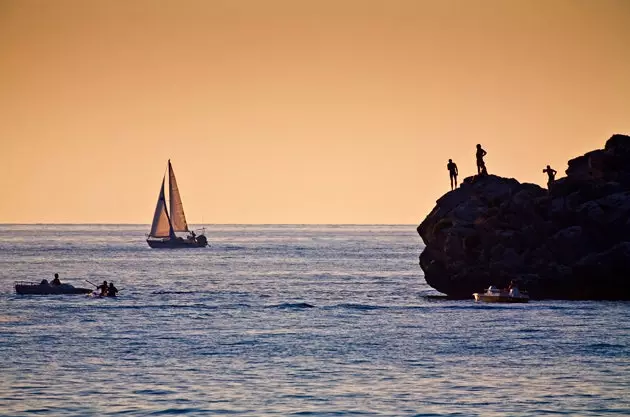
{"points": [[604, 275], [618, 144], [568, 245], [572, 242], [583, 167]]}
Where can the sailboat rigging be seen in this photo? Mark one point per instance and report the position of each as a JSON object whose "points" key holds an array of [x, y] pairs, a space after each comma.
{"points": [[165, 225]]}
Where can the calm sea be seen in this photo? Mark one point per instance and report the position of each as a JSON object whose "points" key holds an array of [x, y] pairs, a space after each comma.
{"points": [[287, 320]]}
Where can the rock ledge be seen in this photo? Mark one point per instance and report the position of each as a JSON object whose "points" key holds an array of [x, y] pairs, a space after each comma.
{"points": [[572, 242]]}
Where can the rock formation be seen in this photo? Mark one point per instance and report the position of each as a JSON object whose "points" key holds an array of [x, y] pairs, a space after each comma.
{"points": [[572, 242]]}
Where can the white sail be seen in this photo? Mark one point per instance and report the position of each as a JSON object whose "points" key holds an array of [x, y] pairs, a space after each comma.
{"points": [[178, 219], [161, 226]]}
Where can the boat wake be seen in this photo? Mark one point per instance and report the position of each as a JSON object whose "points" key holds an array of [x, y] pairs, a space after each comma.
{"points": [[350, 306], [292, 306]]}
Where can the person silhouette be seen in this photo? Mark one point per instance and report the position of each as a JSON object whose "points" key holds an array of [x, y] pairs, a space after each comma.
{"points": [[552, 175], [452, 171], [56, 280], [481, 165], [111, 290], [103, 288]]}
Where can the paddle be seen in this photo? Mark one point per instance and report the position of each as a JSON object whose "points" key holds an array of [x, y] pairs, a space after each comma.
{"points": [[98, 286]]}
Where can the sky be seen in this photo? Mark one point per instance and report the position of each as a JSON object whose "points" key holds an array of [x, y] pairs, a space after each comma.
{"points": [[284, 111]]}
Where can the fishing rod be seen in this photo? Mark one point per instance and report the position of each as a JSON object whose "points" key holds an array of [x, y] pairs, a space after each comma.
{"points": [[98, 286]]}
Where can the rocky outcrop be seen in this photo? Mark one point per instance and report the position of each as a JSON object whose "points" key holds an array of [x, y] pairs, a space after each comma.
{"points": [[571, 242]]}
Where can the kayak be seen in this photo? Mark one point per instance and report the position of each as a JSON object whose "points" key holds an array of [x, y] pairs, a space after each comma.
{"points": [[47, 289]]}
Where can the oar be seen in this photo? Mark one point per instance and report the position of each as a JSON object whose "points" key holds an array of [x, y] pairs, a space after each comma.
{"points": [[92, 283]]}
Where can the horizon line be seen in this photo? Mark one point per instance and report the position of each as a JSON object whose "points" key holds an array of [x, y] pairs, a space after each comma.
{"points": [[206, 224]]}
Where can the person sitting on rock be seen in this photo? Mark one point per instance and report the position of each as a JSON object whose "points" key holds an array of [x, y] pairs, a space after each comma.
{"points": [[56, 280], [552, 175], [481, 165], [452, 170]]}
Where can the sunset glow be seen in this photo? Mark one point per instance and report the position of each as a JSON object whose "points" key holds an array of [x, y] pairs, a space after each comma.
{"points": [[296, 111]]}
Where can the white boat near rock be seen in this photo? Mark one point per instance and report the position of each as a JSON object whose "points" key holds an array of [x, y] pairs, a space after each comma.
{"points": [[496, 295]]}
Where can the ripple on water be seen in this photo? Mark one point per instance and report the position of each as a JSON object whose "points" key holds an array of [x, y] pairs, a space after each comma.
{"points": [[340, 324]]}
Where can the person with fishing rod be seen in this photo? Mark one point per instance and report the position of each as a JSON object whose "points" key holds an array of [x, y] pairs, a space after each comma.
{"points": [[105, 289], [102, 287]]}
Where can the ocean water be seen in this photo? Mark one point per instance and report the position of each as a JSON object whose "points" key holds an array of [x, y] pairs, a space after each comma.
{"points": [[287, 320]]}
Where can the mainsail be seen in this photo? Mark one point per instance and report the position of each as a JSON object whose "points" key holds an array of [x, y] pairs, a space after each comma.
{"points": [[161, 226], [178, 219]]}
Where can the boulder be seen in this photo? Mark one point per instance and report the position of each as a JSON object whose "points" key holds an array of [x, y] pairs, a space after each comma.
{"points": [[571, 242]]}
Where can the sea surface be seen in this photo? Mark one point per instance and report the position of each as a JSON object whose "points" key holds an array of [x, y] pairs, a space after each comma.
{"points": [[287, 321]]}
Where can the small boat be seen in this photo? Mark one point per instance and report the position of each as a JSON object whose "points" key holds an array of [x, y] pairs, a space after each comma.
{"points": [[165, 225], [22, 287], [496, 295]]}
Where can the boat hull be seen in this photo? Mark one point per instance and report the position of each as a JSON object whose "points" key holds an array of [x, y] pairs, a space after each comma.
{"points": [[502, 298], [46, 289], [178, 243]]}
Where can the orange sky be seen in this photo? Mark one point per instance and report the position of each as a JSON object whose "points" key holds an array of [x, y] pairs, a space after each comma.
{"points": [[296, 111]]}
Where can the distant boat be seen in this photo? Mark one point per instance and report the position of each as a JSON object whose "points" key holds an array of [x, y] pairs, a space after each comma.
{"points": [[165, 226], [44, 288], [496, 295]]}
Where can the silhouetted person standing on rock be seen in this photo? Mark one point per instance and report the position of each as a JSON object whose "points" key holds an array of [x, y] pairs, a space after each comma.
{"points": [[552, 175], [481, 165], [452, 170]]}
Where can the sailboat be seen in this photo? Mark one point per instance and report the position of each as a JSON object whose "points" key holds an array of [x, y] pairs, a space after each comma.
{"points": [[165, 225]]}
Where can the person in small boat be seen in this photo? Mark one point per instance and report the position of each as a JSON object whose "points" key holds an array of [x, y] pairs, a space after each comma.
{"points": [[111, 290], [192, 236], [44, 282], [56, 280], [513, 289], [103, 288]]}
